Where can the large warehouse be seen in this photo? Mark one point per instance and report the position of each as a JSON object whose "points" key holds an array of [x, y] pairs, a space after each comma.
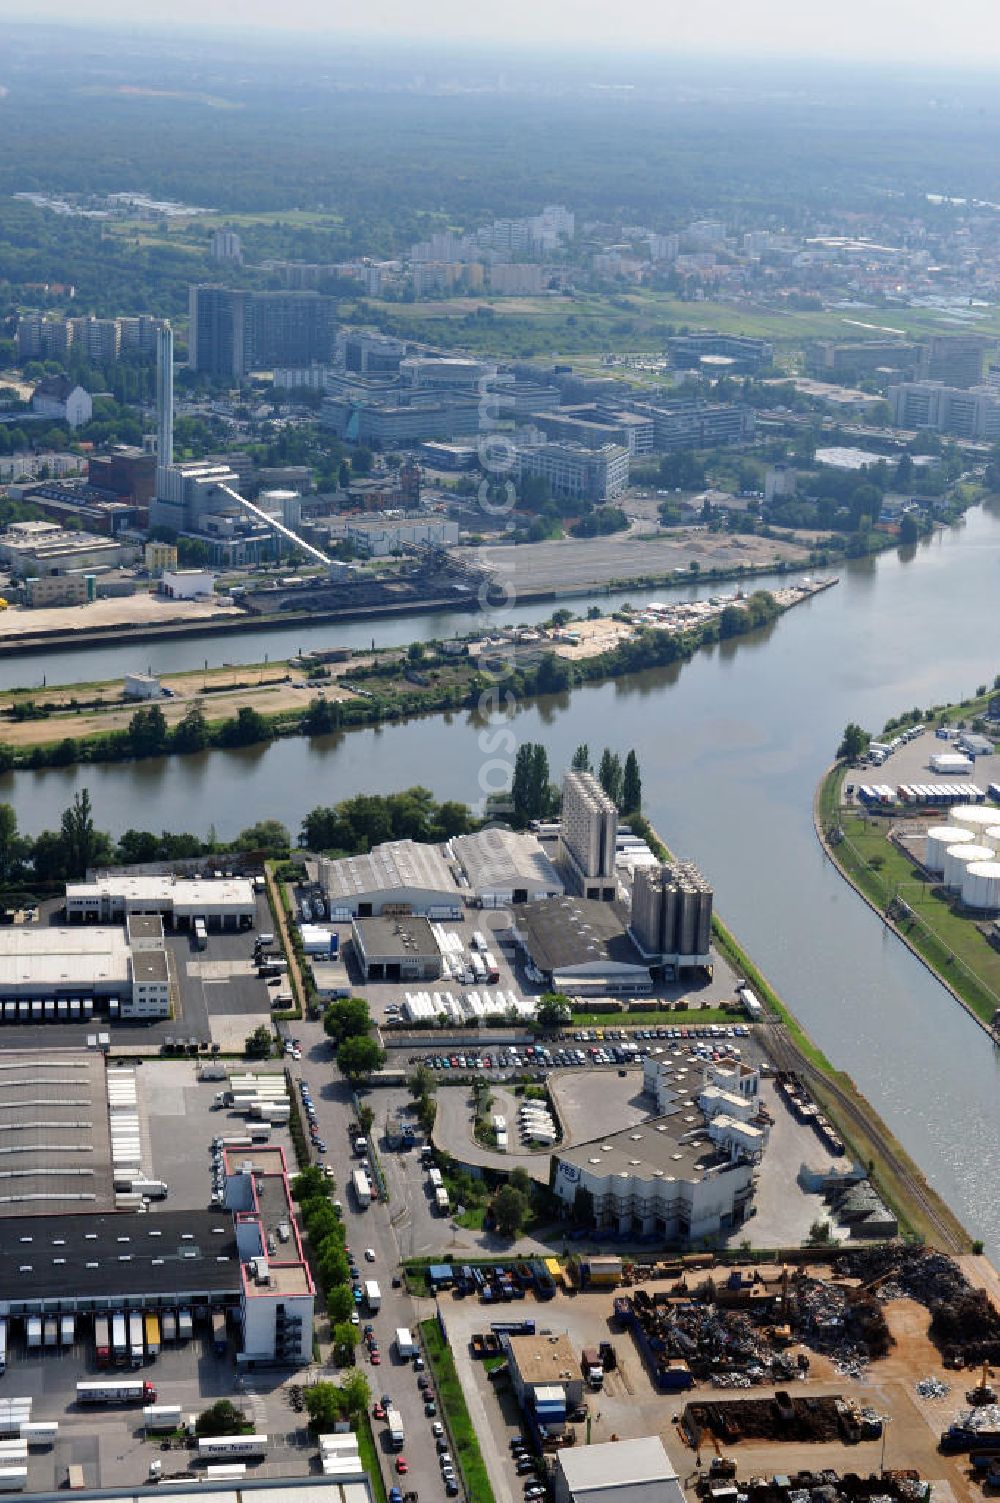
{"points": [[503, 867], [57, 975], [399, 878], [581, 946], [223, 902], [396, 949], [619, 1471], [55, 1148]]}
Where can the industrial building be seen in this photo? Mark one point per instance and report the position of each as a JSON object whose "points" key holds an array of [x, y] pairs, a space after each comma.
{"points": [[396, 949], [223, 902], [45, 548], [503, 867], [672, 915], [387, 537], [71, 1264], [67, 974], [55, 1154], [587, 837], [540, 1364], [677, 1177], [400, 877], [312, 1489], [577, 473], [581, 946], [276, 1291], [619, 1471]]}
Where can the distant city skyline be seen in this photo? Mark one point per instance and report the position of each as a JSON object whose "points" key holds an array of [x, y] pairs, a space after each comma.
{"points": [[877, 31]]}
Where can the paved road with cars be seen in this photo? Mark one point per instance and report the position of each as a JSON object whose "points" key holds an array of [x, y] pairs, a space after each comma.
{"points": [[372, 1229]]}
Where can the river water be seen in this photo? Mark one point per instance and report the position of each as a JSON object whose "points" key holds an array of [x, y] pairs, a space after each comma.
{"points": [[731, 746]]}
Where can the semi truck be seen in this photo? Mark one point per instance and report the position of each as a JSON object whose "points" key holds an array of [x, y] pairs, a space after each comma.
{"points": [[135, 1346], [33, 1331], [152, 1326], [362, 1189], [220, 1338], [102, 1340], [231, 1447], [441, 1201], [116, 1391], [592, 1367], [119, 1339]]}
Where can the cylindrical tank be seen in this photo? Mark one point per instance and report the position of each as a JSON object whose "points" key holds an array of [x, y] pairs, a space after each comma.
{"points": [[669, 917], [704, 934], [287, 504], [688, 925], [958, 859], [981, 886], [973, 817], [939, 838]]}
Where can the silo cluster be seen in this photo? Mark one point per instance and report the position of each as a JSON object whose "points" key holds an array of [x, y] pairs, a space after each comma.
{"points": [[672, 912]]}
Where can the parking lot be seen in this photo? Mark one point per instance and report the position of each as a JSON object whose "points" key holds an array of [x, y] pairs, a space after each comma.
{"points": [[109, 1443], [910, 763]]}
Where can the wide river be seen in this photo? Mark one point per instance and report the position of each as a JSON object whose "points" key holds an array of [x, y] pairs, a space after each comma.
{"points": [[731, 747]]}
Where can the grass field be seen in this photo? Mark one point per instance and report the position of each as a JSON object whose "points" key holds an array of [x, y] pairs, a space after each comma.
{"points": [[456, 1414]]}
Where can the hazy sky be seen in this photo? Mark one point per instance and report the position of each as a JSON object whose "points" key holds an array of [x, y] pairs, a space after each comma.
{"points": [[879, 30]]}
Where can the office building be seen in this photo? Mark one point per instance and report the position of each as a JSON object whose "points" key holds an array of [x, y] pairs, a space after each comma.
{"points": [[955, 359], [577, 473], [372, 354], [402, 417], [618, 1471], [62, 399], [595, 425], [686, 351], [588, 833], [697, 425], [679, 1177], [277, 1297], [165, 397], [227, 246], [671, 918], [233, 331], [946, 409]]}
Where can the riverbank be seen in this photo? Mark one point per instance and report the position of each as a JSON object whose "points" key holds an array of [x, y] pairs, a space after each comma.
{"points": [[920, 1210], [862, 851], [92, 724]]}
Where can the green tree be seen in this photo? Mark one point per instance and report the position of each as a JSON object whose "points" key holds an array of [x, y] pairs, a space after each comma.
{"points": [[259, 1044], [554, 1009], [357, 1393], [246, 728], [191, 733], [84, 845], [267, 835], [422, 1082], [510, 1212], [310, 1184], [345, 1339], [909, 528], [359, 1058], [325, 1406], [631, 785], [853, 744], [348, 1018], [13, 847], [581, 759], [220, 1418], [339, 1303], [321, 717], [343, 475], [147, 732], [610, 776]]}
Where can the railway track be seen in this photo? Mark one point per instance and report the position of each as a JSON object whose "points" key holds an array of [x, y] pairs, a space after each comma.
{"points": [[788, 1056]]}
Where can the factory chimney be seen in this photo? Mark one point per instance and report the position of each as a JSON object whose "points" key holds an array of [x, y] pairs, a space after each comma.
{"points": [[164, 397]]}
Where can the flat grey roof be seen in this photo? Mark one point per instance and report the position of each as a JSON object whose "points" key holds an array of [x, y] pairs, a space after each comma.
{"points": [[564, 932], [118, 1254], [145, 926], [499, 858], [396, 864], [674, 1146], [55, 1147], [396, 937], [640, 1466], [149, 965]]}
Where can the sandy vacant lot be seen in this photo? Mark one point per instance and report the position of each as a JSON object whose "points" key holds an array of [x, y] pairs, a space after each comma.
{"points": [[130, 610]]}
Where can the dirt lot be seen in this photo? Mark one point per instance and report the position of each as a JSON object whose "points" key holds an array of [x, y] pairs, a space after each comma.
{"points": [[571, 564], [130, 610], [629, 1406]]}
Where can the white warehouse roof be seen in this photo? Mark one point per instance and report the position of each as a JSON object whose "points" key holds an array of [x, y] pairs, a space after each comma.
{"points": [[501, 861], [621, 1471], [46, 957], [398, 865]]}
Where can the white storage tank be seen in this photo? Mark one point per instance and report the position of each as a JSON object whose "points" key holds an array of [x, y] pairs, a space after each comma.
{"points": [[957, 860], [939, 838], [974, 817], [991, 836], [981, 886]]}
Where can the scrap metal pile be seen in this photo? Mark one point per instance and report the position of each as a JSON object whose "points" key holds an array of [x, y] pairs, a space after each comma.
{"points": [[783, 1418], [830, 1487], [964, 1322]]}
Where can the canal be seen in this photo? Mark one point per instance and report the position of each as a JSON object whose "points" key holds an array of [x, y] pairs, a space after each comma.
{"points": [[731, 746]]}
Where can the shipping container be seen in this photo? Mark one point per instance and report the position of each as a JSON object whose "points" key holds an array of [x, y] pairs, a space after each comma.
{"points": [[153, 1339], [102, 1340]]}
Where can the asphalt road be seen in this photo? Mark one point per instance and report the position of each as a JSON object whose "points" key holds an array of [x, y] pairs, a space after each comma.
{"points": [[373, 1228]]}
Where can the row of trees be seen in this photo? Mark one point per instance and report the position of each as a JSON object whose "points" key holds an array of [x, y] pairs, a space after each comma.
{"points": [[621, 782], [356, 824], [328, 1256], [349, 1024], [533, 796]]}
